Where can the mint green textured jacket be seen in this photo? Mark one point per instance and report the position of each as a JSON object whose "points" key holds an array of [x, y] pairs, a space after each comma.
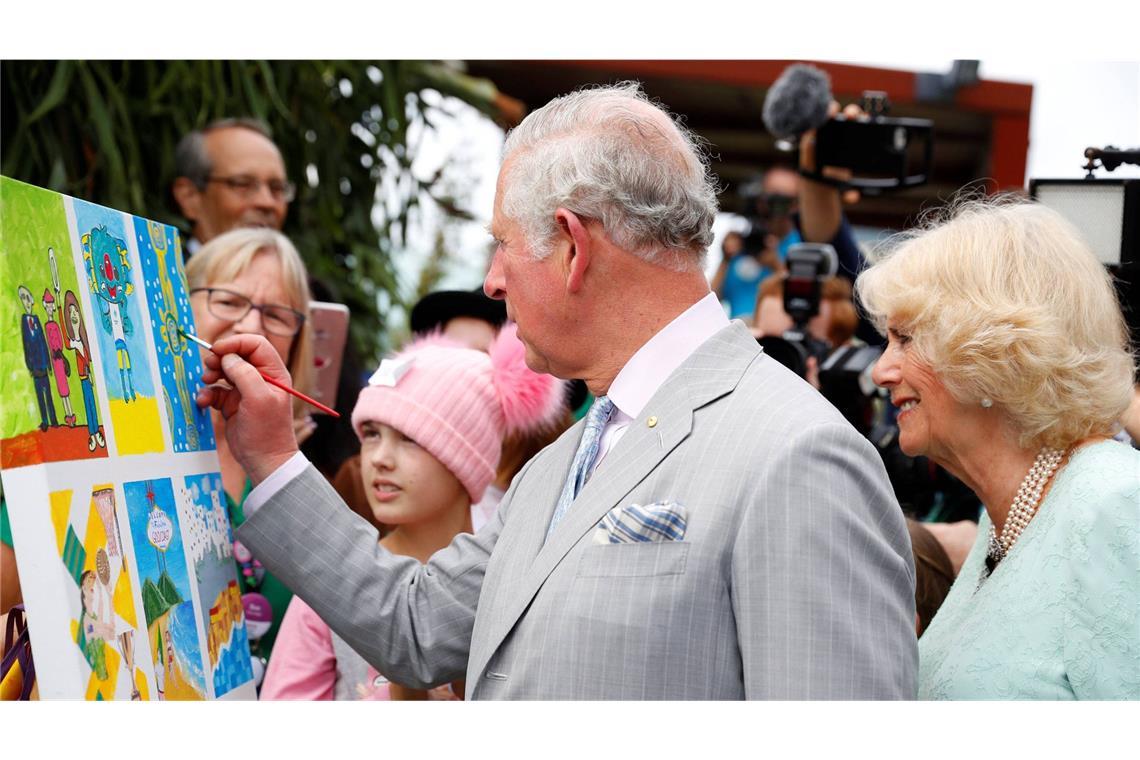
{"points": [[1060, 616]]}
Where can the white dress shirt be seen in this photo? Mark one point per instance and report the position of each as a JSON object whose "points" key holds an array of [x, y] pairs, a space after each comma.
{"points": [[630, 391], [649, 368]]}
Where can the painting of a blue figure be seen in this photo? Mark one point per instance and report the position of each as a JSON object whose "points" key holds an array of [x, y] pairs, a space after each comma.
{"points": [[108, 271], [180, 366], [116, 301]]}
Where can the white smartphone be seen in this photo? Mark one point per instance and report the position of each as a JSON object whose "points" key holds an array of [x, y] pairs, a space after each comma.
{"points": [[330, 331]]}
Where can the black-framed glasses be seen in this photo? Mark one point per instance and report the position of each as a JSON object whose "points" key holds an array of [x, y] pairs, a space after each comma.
{"points": [[229, 306], [247, 186]]}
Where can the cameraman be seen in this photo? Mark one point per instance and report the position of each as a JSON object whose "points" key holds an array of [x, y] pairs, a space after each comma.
{"points": [[821, 218], [792, 209]]}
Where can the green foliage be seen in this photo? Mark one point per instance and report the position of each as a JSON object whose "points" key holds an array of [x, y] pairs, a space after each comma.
{"points": [[105, 131], [159, 598], [153, 603], [169, 590]]}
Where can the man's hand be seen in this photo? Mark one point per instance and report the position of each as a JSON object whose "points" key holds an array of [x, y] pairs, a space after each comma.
{"points": [[807, 151], [820, 204], [259, 417]]}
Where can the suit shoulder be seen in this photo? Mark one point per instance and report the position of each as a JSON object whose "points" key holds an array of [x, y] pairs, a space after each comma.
{"points": [[767, 384]]}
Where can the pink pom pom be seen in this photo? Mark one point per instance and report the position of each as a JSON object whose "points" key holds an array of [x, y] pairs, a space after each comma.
{"points": [[530, 400]]}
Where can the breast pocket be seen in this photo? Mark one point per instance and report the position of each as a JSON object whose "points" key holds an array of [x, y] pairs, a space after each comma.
{"points": [[633, 560]]}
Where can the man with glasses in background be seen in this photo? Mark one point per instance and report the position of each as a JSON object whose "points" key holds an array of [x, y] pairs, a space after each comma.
{"points": [[230, 174]]}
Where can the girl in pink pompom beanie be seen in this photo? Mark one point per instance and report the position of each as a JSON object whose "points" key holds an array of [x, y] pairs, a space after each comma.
{"points": [[431, 424]]}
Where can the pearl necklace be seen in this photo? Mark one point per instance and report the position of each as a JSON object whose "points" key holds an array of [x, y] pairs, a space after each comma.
{"points": [[1024, 504]]}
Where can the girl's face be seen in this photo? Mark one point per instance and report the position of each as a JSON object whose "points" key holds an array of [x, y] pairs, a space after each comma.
{"points": [[405, 484], [74, 318]]}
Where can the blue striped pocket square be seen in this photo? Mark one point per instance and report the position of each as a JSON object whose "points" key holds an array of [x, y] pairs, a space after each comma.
{"points": [[661, 521]]}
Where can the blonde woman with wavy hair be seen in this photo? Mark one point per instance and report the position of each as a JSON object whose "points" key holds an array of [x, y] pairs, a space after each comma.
{"points": [[1009, 362]]}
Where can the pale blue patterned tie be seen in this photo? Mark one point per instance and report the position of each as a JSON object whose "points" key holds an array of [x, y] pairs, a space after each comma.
{"points": [[596, 420]]}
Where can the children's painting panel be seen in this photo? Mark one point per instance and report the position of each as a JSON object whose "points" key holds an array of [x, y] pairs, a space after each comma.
{"points": [[139, 546], [122, 537], [117, 296], [208, 543], [168, 603], [48, 371], [179, 362], [80, 586]]}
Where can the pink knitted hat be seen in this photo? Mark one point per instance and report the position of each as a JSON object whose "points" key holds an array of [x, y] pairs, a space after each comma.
{"points": [[459, 403]]}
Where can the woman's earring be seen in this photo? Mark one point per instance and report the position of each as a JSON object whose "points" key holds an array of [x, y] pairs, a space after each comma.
{"points": [[987, 403]]}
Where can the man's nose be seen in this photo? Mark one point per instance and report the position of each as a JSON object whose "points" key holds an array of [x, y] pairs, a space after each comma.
{"points": [[264, 197], [494, 285]]}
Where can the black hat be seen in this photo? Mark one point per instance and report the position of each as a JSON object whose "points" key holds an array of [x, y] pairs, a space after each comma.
{"points": [[435, 310]]}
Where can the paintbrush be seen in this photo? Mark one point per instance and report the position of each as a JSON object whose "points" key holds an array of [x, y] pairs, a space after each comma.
{"points": [[266, 378]]}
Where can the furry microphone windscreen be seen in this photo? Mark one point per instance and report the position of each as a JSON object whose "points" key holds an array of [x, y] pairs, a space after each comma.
{"points": [[797, 101]]}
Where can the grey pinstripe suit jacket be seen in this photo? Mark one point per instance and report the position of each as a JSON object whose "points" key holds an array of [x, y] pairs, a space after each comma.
{"points": [[794, 579]]}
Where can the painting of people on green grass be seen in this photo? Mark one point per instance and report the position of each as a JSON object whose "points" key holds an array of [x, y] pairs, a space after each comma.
{"points": [[51, 394]]}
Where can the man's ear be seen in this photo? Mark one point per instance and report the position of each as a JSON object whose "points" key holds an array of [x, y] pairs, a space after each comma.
{"points": [[580, 249], [188, 197]]}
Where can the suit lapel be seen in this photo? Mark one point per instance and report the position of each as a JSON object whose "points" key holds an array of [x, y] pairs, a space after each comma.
{"points": [[713, 370]]}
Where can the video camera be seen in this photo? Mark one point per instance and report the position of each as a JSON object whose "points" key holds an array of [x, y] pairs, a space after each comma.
{"points": [[883, 152]]}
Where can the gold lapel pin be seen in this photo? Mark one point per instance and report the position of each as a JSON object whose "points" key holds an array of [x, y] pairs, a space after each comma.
{"points": [[651, 422]]}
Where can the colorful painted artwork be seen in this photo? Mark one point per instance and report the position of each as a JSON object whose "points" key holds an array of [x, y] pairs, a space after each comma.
{"points": [[168, 606], [123, 546], [47, 378], [105, 630], [209, 546], [113, 284], [181, 373]]}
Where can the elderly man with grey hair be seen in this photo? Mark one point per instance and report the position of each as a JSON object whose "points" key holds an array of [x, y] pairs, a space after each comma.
{"points": [[713, 529]]}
